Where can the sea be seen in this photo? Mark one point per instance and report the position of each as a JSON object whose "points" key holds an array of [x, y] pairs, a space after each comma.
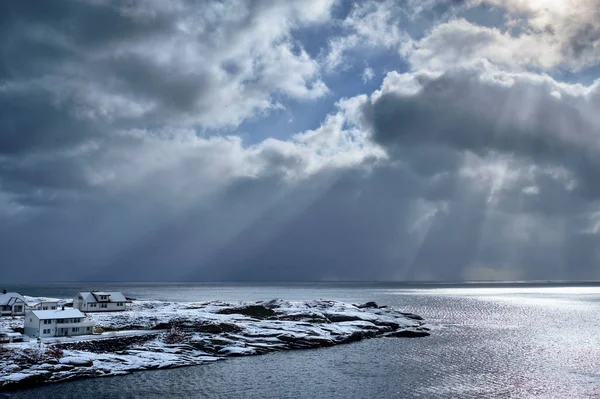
{"points": [[501, 340]]}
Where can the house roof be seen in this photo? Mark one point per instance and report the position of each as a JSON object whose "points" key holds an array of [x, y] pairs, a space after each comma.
{"points": [[44, 303], [57, 314], [94, 296], [10, 298]]}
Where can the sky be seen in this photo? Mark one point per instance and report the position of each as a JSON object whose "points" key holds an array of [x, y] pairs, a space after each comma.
{"points": [[299, 140]]}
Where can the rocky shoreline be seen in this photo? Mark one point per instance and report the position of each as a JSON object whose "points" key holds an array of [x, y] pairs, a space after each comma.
{"points": [[155, 335]]}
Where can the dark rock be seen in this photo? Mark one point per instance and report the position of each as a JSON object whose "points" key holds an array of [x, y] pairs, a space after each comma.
{"points": [[63, 367], [204, 346], [13, 368], [123, 328], [108, 345], [213, 328], [162, 326], [339, 317], [256, 311], [79, 362], [409, 333], [354, 337], [368, 305], [411, 316], [392, 325], [308, 317], [221, 342], [29, 381]]}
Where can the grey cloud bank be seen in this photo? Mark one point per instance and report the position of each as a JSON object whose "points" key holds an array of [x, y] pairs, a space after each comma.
{"points": [[122, 153]]}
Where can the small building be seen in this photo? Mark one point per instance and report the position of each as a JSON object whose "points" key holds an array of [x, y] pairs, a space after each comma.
{"points": [[44, 305], [57, 323], [12, 304], [9, 336], [100, 301]]}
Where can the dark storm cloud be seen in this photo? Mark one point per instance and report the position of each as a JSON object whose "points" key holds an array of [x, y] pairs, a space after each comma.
{"points": [[465, 111], [141, 78], [142, 63], [39, 37], [34, 121], [40, 40], [350, 225], [76, 74]]}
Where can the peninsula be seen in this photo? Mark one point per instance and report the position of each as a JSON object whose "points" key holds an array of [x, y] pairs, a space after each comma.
{"points": [[154, 334]]}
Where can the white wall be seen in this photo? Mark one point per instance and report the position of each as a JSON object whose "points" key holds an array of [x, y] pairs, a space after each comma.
{"points": [[99, 307], [35, 328], [31, 324]]}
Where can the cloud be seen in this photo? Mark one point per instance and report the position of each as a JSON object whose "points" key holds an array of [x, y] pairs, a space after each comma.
{"points": [[368, 74], [460, 42], [486, 111], [83, 107], [572, 29], [122, 150], [537, 34], [368, 26], [211, 66]]}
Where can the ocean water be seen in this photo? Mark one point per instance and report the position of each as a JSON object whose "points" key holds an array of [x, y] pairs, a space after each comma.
{"points": [[487, 341]]}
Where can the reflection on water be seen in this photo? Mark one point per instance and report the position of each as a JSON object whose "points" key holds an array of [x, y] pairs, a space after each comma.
{"points": [[487, 342]]}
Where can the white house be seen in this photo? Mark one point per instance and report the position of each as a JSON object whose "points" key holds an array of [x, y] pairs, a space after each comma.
{"points": [[57, 323], [12, 304], [44, 305], [100, 301]]}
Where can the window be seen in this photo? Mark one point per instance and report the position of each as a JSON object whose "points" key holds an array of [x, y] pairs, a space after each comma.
{"points": [[103, 305], [53, 308], [89, 328], [75, 329], [120, 304], [46, 331], [19, 308], [92, 305], [47, 321], [45, 308]]}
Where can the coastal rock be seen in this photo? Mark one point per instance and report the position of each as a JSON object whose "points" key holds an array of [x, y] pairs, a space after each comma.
{"points": [[155, 335], [256, 311], [12, 368], [368, 305], [417, 333], [77, 361]]}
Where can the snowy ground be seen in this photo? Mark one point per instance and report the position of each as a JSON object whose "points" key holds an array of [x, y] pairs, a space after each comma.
{"points": [[152, 334]]}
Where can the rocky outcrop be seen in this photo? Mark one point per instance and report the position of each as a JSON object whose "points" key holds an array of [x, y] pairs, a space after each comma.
{"points": [[175, 335], [257, 311]]}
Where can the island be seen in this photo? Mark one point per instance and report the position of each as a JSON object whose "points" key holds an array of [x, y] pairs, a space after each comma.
{"points": [[155, 334]]}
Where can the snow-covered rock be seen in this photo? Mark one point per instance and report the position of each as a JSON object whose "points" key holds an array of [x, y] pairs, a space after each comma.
{"points": [[77, 361], [153, 334]]}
